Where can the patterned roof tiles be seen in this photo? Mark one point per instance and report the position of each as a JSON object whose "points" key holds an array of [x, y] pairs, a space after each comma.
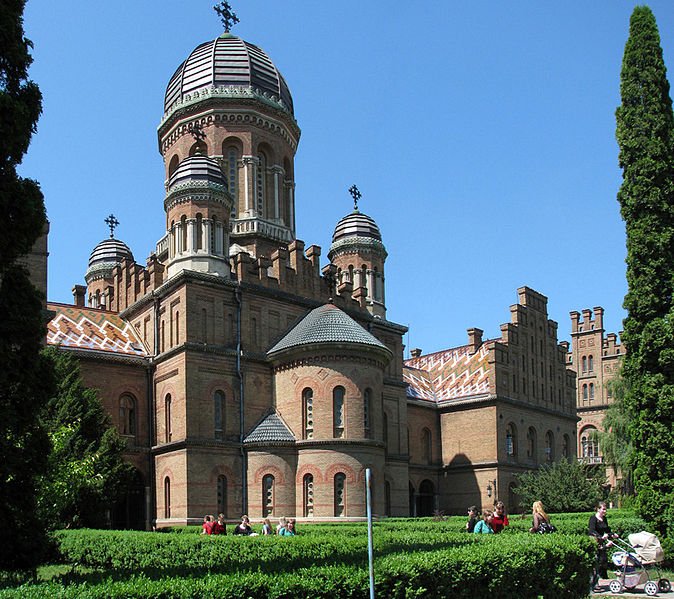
{"points": [[86, 328], [270, 429], [449, 374], [327, 324]]}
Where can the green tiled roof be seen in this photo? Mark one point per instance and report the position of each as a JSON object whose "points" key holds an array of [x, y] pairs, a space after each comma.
{"points": [[270, 429], [327, 324]]}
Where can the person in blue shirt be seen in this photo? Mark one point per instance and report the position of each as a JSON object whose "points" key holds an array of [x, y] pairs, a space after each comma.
{"points": [[484, 526]]}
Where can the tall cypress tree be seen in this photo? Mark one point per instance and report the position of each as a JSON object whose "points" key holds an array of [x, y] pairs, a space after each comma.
{"points": [[645, 133], [25, 375]]}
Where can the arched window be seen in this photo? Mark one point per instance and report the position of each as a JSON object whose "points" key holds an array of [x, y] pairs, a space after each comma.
{"points": [[531, 444], [308, 487], [261, 183], [222, 495], [183, 231], [339, 495], [590, 364], [591, 391], [231, 172], [177, 326], [511, 440], [589, 446], [367, 410], [363, 281], [308, 413], [584, 362], [199, 233], [585, 392], [204, 325], [167, 497], [219, 414], [167, 418], [338, 412], [385, 431], [549, 447], [268, 495], [173, 165], [127, 415], [426, 446]]}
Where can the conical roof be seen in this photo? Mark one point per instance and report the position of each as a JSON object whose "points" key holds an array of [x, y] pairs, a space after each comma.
{"points": [[327, 324], [271, 429]]}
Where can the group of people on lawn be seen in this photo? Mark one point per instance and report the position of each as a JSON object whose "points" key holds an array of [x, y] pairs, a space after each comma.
{"points": [[494, 521], [211, 526]]}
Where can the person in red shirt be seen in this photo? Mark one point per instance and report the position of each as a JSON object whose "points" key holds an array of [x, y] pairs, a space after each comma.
{"points": [[219, 527], [500, 520], [207, 526]]}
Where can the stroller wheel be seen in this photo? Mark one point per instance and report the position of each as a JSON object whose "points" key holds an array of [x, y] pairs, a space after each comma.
{"points": [[651, 588], [615, 586], [664, 585]]}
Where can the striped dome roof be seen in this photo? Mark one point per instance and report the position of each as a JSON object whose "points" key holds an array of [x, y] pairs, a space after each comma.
{"points": [[105, 256], [198, 168], [110, 250], [356, 224], [327, 324], [228, 61]]}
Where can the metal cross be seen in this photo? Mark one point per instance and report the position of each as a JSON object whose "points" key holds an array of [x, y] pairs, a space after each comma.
{"points": [[197, 132], [356, 195], [112, 222]]}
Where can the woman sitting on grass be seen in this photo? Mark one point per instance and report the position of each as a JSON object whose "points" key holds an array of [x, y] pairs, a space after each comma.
{"points": [[483, 527]]}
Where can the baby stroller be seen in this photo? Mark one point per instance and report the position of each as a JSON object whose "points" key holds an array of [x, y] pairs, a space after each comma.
{"points": [[636, 562]]}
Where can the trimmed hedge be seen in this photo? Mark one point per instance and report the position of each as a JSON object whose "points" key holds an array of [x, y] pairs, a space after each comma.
{"points": [[516, 566]]}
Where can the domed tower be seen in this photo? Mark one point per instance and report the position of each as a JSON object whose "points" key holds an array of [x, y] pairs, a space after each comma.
{"points": [[102, 261], [359, 254], [231, 91], [198, 208]]}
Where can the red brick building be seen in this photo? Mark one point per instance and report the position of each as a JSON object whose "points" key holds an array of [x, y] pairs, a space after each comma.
{"points": [[248, 379]]}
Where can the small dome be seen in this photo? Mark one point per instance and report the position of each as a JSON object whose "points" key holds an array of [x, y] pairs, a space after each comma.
{"points": [[228, 62], [356, 224], [198, 168], [327, 324], [105, 256], [356, 231]]}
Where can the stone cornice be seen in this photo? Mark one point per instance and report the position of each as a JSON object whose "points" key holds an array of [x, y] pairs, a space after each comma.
{"points": [[317, 354], [104, 356], [210, 110], [350, 245]]}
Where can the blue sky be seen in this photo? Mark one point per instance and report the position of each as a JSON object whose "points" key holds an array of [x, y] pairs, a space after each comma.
{"points": [[481, 134]]}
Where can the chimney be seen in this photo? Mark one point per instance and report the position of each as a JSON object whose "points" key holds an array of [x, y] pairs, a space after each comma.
{"points": [[416, 352], [474, 339], [79, 293]]}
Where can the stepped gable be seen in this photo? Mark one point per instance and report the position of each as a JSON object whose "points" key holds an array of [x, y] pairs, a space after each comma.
{"points": [[87, 328], [327, 324], [449, 374], [271, 429]]}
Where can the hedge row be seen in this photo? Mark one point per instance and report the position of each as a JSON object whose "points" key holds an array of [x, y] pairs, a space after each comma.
{"points": [[130, 551], [513, 566]]}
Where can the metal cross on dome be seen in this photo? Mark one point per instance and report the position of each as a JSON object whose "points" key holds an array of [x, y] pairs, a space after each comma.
{"points": [[356, 195], [112, 222], [197, 132]]}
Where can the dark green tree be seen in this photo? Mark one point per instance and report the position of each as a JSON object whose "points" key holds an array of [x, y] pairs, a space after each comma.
{"points": [[564, 486], [226, 14], [25, 375], [87, 472], [645, 134]]}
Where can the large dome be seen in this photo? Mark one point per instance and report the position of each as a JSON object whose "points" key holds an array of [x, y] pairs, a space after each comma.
{"points": [[228, 63]]}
